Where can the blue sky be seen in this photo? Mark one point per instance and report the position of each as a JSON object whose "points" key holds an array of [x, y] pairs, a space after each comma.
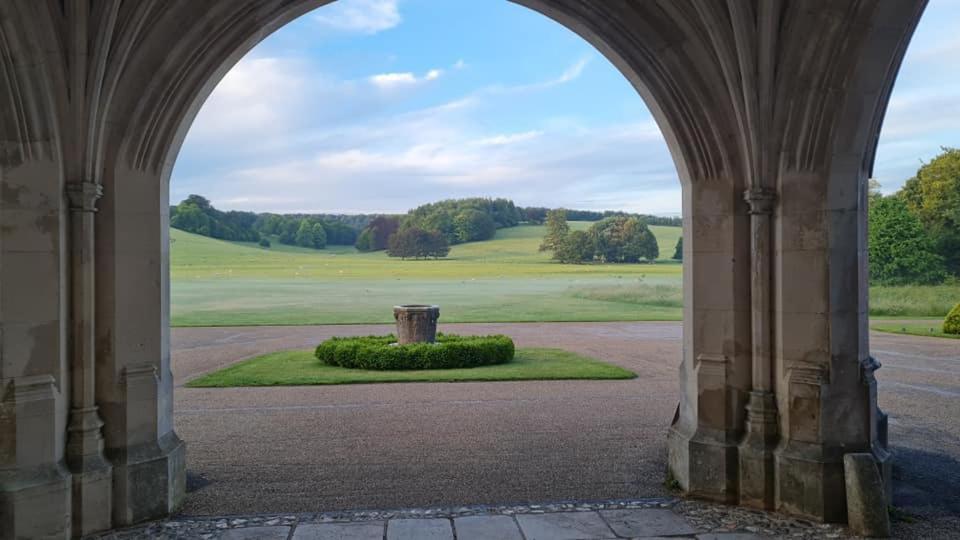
{"points": [[381, 105]]}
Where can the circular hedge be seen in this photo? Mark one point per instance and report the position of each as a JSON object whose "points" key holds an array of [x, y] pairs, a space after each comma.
{"points": [[382, 352], [951, 324]]}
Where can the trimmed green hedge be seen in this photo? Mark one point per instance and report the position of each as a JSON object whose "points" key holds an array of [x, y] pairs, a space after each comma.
{"points": [[951, 325], [450, 351]]}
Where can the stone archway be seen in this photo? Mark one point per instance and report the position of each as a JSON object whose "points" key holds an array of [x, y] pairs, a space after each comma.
{"points": [[771, 110]]}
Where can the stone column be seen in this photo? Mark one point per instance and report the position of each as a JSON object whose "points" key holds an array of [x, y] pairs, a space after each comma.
{"points": [[703, 438], [134, 380], [756, 449], [92, 478]]}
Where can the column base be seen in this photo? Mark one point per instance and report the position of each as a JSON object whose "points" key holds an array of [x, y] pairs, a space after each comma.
{"points": [[149, 483], [810, 484], [35, 504], [703, 468], [92, 473], [92, 501], [757, 477]]}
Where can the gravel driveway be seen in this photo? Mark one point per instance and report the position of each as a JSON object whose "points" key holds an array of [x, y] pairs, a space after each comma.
{"points": [[307, 449]]}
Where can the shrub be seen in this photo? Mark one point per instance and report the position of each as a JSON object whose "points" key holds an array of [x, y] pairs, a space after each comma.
{"points": [[450, 351], [951, 325], [264, 242]]}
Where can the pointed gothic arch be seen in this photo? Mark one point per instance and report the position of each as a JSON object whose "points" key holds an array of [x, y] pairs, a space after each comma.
{"points": [[771, 110]]}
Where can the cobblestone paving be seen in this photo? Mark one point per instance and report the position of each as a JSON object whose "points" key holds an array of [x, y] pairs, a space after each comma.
{"points": [[639, 518]]}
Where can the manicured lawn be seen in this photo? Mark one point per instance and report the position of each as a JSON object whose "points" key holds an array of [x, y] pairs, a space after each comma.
{"points": [[216, 283], [300, 368], [932, 329]]}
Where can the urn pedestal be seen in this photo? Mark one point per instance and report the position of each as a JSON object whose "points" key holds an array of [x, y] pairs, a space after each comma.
{"points": [[416, 323]]}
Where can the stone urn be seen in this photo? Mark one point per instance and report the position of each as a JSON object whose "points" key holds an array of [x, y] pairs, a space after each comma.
{"points": [[416, 323]]}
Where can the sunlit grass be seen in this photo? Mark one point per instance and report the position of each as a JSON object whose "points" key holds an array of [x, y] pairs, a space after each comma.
{"points": [[216, 283], [932, 328]]}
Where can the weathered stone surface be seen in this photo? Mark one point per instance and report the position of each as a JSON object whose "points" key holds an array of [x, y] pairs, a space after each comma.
{"points": [[652, 522], [372, 530], [866, 501], [564, 526], [487, 528], [729, 536], [416, 323], [257, 533], [419, 529]]}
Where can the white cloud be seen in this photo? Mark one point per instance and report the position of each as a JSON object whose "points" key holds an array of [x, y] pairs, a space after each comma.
{"points": [[359, 16], [572, 73], [499, 140], [459, 64], [245, 101], [395, 162], [393, 80], [388, 81], [283, 137]]}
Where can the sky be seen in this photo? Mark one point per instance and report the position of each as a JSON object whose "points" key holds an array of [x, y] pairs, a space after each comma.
{"points": [[370, 106]]}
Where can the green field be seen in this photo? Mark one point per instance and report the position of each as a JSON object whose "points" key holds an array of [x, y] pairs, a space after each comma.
{"points": [[931, 328], [295, 368], [217, 283]]}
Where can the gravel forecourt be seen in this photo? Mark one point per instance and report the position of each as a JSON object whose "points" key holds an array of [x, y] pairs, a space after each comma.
{"points": [[403, 445]]}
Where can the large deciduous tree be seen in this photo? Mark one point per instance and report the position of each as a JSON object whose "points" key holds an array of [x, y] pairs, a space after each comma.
{"points": [[933, 195], [901, 251], [417, 243], [577, 247], [557, 230], [624, 239]]}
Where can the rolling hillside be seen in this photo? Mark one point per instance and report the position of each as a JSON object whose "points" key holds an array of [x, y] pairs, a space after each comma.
{"points": [[504, 279]]}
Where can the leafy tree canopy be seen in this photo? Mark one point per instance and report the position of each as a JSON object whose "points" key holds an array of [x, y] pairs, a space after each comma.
{"points": [[417, 243], [901, 251], [933, 195], [557, 230]]}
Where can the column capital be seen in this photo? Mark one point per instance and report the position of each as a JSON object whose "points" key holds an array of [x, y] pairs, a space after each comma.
{"points": [[84, 195], [761, 200]]}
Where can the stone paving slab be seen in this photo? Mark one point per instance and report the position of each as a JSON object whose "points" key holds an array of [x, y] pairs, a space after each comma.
{"points": [[632, 518], [257, 533], [371, 530], [419, 529], [564, 526], [646, 522], [487, 528]]}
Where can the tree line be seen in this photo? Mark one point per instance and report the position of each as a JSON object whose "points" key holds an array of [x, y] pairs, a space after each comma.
{"points": [[195, 214], [615, 239], [430, 229], [538, 215], [426, 231], [914, 234]]}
